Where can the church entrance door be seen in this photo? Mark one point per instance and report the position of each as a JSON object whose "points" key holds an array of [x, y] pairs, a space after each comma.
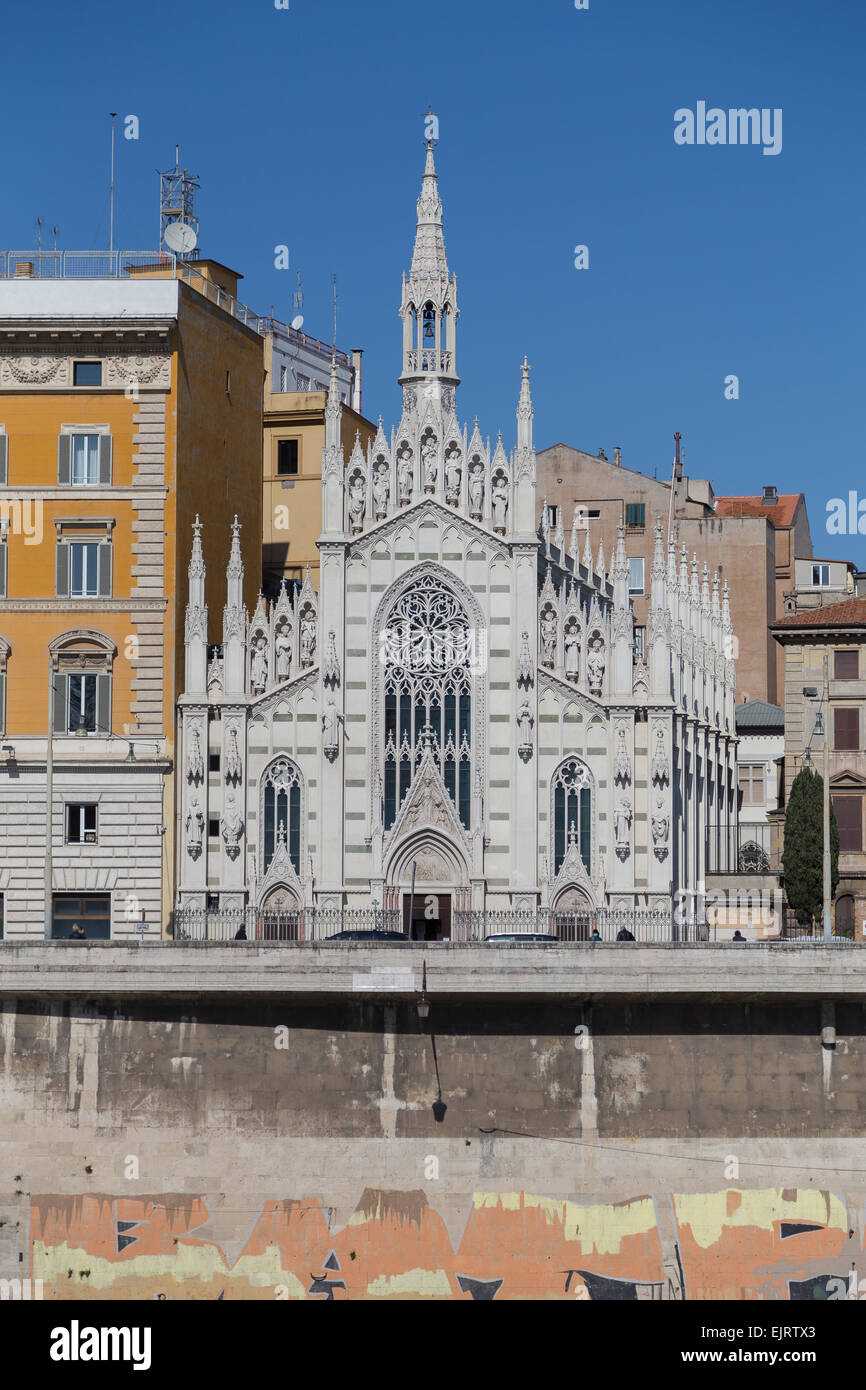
{"points": [[431, 916]]}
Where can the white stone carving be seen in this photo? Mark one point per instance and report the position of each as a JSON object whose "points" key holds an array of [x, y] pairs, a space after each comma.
{"points": [[194, 759], [622, 817], [595, 663], [660, 829], [231, 826], [194, 828], [525, 722], [622, 764]]}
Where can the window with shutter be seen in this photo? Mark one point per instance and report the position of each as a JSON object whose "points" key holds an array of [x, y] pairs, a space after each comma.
{"points": [[105, 455], [105, 569], [62, 570], [4, 560], [4, 459], [849, 818], [3, 701], [846, 728], [103, 704], [846, 665], [64, 460]]}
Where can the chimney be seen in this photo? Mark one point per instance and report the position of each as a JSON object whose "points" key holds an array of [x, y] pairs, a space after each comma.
{"points": [[770, 495], [617, 455], [357, 355]]}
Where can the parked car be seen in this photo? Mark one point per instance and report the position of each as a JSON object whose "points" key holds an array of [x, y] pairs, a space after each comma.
{"points": [[535, 938], [368, 936]]}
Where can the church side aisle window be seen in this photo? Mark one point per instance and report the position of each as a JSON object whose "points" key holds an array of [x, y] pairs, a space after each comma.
{"points": [[282, 812], [572, 808], [428, 651]]}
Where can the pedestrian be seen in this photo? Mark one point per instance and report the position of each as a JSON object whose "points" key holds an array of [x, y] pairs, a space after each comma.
{"points": [[624, 934], [738, 936], [77, 933], [595, 935]]}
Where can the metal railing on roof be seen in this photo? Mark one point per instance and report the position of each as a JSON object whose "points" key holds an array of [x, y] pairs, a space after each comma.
{"points": [[123, 265], [271, 325]]}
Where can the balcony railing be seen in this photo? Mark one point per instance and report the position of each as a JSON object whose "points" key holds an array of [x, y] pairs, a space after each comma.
{"points": [[750, 853]]}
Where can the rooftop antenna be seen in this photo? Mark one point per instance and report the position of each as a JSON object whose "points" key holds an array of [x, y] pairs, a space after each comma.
{"points": [[39, 234], [113, 115], [178, 224], [54, 231], [334, 279], [298, 304]]}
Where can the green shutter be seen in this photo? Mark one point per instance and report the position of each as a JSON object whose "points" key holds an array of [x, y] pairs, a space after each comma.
{"points": [[61, 704], [104, 587], [4, 459], [103, 704], [64, 460], [62, 569], [105, 451], [4, 558], [3, 701]]}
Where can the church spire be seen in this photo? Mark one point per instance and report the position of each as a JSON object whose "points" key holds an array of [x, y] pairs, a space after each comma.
{"points": [[429, 306]]}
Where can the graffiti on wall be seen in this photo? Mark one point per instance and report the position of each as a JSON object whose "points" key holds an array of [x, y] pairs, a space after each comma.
{"points": [[739, 1244]]}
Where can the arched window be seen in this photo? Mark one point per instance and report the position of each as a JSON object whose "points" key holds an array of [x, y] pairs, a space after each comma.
{"points": [[82, 664], [572, 813], [428, 652], [282, 812]]}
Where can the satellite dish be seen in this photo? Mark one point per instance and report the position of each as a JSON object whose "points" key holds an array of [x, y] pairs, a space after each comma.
{"points": [[298, 322], [179, 236]]}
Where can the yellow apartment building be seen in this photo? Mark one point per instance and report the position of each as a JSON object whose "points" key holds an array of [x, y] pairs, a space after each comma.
{"points": [[297, 371], [130, 401]]}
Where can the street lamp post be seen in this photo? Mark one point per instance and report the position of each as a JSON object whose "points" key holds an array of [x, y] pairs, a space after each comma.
{"points": [[826, 761]]}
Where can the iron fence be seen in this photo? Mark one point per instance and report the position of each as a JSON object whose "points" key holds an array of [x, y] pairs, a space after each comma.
{"points": [[307, 924], [585, 926]]}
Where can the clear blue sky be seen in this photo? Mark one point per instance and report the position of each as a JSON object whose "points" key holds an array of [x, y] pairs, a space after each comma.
{"points": [[305, 127]]}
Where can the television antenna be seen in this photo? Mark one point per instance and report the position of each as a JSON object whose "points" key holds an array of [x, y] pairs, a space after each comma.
{"points": [[298, 303]]}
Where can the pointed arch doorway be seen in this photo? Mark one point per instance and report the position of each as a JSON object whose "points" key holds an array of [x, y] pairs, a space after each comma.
{"points": [[441, 886]]}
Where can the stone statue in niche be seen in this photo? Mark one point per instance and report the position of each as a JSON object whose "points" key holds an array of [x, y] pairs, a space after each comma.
{"points": [[194, 828], [381, 490], [595, 665], [259, 666], [357, 503], [404, 475], [429, 464], [283, 648], [525, 722], [453, 477], [308, 641], [622, 826], [329, 728], [548, 638], [499, 503], [194, 759], [476, 491], [231, 826], [660, 826], [572, 650]]}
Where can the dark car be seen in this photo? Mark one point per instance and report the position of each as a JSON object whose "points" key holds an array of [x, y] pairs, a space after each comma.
{"points": [[537, 938], [368, 936]]}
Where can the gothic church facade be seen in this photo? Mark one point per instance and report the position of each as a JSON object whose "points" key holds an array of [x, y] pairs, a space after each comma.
{"points": [[460, 703]]}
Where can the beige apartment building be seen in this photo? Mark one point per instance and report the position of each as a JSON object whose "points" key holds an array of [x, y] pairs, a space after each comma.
{"points": [[752, 541], [805, 638]]}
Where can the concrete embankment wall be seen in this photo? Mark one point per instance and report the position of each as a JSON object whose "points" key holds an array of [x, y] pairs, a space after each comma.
{"points": [[509, 1147]]}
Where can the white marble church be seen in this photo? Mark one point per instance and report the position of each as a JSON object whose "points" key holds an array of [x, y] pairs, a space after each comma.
{"points": [[461, 701]]}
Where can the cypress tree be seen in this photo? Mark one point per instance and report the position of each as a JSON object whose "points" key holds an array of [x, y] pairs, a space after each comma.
{"points": [[803, 855]]}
